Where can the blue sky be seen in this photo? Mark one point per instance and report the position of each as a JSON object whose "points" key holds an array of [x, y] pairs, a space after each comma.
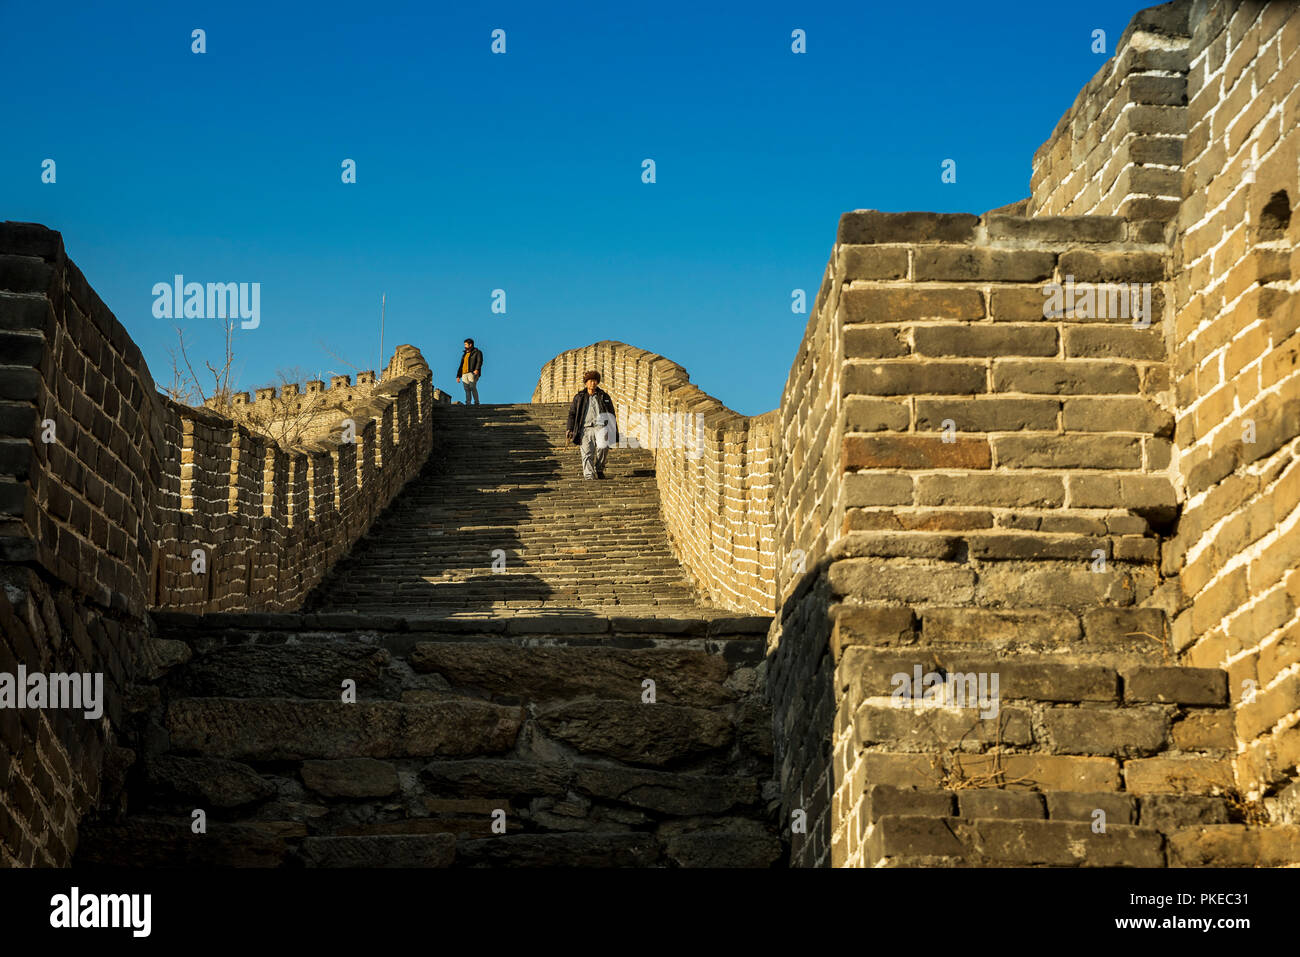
{"points": [[519, 171]]}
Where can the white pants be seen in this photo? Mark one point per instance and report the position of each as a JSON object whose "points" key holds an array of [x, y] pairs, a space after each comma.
{"points": [[593, 455]]}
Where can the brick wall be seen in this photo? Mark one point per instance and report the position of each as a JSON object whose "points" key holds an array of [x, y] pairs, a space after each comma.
{"points": [[1058, 451], [715, 469], [271, 521], [1117, 150], [1238, 392], [1161, 690], [810, 502], [55, 763], [106, 490], [76, 532], [934, 413], [1077, 732], [810, 511]]}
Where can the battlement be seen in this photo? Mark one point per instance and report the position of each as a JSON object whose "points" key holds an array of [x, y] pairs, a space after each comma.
{"points": [[341, 389], [1118, 150]]}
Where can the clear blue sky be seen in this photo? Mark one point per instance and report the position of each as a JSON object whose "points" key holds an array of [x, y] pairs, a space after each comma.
{"points": [[519, 171]]}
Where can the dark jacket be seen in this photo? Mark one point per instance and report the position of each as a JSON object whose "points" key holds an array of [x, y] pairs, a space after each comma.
{"points": [[578, 414], [475, 361]]}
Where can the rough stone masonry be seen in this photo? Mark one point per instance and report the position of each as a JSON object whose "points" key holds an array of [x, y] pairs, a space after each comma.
{"points": [[1049, 450]]}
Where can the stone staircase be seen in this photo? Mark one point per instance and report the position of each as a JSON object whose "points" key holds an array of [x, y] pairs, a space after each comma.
{"points": [[501, 522], [560, 713]]}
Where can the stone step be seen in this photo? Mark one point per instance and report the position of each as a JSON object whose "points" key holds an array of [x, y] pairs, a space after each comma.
{"points": [[542, 723], [155, 842], [508, 673], [504, 478], [287, 729], [270, 627], [438, 724], [446, 587]]}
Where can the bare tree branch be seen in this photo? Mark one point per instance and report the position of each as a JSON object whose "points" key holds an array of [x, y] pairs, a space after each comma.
{"points": [[289, 417], [332, 353], [194, 384]]}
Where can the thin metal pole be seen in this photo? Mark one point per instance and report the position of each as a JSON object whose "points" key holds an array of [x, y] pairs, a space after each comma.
{"points": [[383, 303]]}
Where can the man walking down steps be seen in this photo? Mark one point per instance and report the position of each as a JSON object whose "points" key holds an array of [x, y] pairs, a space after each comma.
{"points": [[591, 425]]}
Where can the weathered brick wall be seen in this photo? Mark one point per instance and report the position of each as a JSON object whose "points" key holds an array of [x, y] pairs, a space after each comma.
{"points": [[897, 551], [810, 511], [270, 521], [78, 453], [715, 469], [1080, 729], [1057, 451], [106, 490], [1117, 150], [1055, 426], [82, 433], [56, 763], [1236, 311], [809, 506]]}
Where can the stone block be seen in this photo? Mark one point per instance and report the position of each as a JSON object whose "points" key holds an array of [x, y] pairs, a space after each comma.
{"points": [[1168, 812], [870, 580], [872, 262], [273, 729], [969, 264], [644, 734], [1177, 775], [900, 304], [1000, 803], [1064, 377], [916, 452], [1001, 490], [908, 378], [885, 799], [351, 778], [397, 850], [1124, 732], [1081, 806], [875, 415], [991, 414], [1235, 845], [874, 226], [1194, 686]]}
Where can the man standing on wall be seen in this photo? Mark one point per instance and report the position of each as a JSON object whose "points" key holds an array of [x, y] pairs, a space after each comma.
{"points": [[592, 425], [469, 370]]}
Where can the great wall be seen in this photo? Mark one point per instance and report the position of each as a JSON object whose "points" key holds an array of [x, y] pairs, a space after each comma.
{"points": [[1086, 516]]}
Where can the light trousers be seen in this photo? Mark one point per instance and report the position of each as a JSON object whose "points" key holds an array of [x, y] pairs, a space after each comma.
{"points": [[593, 454]]}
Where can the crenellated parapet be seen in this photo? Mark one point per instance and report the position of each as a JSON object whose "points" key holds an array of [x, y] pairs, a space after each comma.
{"points": [[1119, 149], [341, 390], [271, 518]]}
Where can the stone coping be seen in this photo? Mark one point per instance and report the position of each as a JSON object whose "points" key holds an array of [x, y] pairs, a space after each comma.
{"points": [[590, 624]]}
